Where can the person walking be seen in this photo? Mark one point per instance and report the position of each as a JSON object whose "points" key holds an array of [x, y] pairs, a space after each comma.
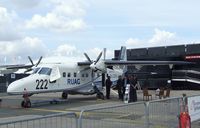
{"points": [[108, 85]]}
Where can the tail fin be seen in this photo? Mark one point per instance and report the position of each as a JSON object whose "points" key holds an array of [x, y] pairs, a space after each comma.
{"points": [[123, 57], [123, 54]]}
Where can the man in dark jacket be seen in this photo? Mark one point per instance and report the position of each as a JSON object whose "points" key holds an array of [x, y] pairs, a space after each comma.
{"points": [[108, 85], [120, 86], [133, 92]]}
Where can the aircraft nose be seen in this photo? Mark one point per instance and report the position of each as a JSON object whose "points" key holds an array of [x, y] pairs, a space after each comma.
{"points": [[11, 88], [14, 87]]}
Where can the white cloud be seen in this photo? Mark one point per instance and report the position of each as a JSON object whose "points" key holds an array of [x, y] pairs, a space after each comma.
{"points": [[133, 42], [66, 50], [66, 16], [160, 38], [8, 25], [20, 49]]}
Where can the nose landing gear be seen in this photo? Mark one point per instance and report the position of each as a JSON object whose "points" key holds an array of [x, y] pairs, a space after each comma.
{"points": [[26, 103]]}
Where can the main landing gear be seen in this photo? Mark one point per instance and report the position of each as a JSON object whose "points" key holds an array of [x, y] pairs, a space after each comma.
{"points": [[64, 95], [99, 95]]}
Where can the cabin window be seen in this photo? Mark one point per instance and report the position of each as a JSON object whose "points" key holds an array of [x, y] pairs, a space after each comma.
{"points": [[69, 75], [86, 75], [45, 71], [35, 70], [64, 74], [83, 75], [75, 74]]}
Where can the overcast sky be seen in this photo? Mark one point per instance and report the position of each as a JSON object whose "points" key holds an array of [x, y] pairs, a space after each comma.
{"points": [[71, 27]]}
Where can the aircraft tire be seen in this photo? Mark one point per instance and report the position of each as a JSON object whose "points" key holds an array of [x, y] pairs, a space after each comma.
{"points": [[100, 96], [64, 95], [26, 104], [22, 104]]}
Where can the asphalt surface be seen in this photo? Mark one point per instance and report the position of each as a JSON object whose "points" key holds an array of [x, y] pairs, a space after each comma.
{"points": [[10, 106]]}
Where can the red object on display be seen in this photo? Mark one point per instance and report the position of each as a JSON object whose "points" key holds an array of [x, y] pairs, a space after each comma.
{"points": [[184, 120]]}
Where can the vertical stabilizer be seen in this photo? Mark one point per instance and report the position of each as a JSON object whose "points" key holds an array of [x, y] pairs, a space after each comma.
{"points": [[123, 57], [123, 54]]}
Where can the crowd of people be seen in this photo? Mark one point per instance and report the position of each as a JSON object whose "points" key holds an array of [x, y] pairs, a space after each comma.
{"points": [[121, 85]]}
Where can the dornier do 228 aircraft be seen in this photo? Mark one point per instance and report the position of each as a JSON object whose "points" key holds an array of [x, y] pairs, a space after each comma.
{"points": [[85, 77]]}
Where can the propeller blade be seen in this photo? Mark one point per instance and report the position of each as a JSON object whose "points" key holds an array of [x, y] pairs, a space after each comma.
{"points": [[98, 58], [38, 62], [28, 70], [104, 53], [88, 58], [30, 60], [92, 77], [103, 76]]}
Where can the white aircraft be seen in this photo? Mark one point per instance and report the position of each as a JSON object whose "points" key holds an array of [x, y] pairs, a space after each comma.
{"points": [[75, 77]]}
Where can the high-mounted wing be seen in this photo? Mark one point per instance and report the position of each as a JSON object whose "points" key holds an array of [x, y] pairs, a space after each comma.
{"points": [[6, 69], [102, 64], [21, 66], [145, 62], [84, 63]]}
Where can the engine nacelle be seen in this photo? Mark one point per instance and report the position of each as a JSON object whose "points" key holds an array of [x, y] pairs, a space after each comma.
{"points": [[100, 65]]}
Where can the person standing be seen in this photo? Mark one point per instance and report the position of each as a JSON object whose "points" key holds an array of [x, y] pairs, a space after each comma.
{"points": [[131, 81], [133, 92], [135, 81], [120, 86], [108, 85]]}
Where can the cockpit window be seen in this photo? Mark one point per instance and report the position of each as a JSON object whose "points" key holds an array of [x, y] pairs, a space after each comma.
{"points": [[45, 71], [35, 70]]}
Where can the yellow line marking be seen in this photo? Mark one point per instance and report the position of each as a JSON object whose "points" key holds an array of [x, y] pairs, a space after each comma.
{"points": [[49, 110]]}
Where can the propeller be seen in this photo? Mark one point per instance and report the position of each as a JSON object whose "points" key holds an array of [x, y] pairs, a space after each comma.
{"points": [[38, 62], [98, 58], [88, 58], [97, 65], [30, 60]]}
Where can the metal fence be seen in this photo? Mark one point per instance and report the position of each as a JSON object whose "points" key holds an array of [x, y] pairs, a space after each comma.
{"points": [[164, 113], [196, 123], [159, 113], [64, 120], [152, 114]]}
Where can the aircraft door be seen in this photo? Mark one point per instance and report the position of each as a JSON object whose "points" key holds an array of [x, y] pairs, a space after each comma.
{"points": [[55, 74], [55, 77]]}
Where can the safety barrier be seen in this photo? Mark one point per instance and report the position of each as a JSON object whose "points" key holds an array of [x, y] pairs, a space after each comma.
{"points": [[193, 106], [64, 120], [163, 113], [157, 113]]}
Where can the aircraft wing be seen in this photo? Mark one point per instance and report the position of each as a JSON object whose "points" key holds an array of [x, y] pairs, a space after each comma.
{"points": [[20, 66], [84, 63], [138, 62], [145, 62]]}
